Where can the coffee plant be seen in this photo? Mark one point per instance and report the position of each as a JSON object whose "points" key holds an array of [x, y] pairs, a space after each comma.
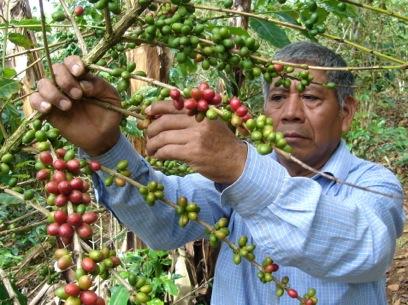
{"points": [[42, 170]]}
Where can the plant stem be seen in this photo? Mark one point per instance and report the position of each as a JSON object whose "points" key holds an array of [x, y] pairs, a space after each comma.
{"points": [[109, 106], [45, 40], [77, 32], [5, 37], [376, 9], [108, 22], [138, 77], [22, 229]]}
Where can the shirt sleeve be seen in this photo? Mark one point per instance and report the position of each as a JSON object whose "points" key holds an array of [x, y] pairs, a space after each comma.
{"points": [[157, 226], [349, 237]]}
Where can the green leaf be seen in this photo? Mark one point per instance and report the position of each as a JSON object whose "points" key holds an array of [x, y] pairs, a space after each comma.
{"points": [[155, 302], [8, 199], [30, 24], [269, 32], [8, 87], [8, 72], [20, 40], [169, 285], [187, 67], [120, 296]]}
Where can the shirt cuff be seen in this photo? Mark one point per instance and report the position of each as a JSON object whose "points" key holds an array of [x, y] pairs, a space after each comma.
{"points": [[258, 186]]}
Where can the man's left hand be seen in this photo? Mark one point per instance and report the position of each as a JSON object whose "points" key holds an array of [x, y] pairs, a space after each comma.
{"points": [[209, 147]]}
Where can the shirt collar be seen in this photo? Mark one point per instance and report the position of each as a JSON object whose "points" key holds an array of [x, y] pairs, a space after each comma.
{"points": [[339, 163]]}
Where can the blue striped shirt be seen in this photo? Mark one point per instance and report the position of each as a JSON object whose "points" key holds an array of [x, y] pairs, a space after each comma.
{"points": [[335, 238]]}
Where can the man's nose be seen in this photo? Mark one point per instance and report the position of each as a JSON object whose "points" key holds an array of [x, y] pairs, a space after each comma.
{"points": [[293, 108]]}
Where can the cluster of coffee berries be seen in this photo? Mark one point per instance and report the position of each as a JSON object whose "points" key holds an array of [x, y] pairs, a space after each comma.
{"points": [[170, 167], [142, 289], [310, 297], [6, 165], [98, 262], [42, 135], [64, 225], [268, 267], [124, 74], [221, 231], [122, 168], [197, 100], [263, 135], [243, 250], [112, 5], [187, 211], [240, 110], [151, 192]]}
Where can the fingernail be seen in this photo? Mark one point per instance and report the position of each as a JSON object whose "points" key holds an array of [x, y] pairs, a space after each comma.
{"points": [[64, 104], [44, 106], [76, 70], [148, 109], [75, 93], [85, 85]]}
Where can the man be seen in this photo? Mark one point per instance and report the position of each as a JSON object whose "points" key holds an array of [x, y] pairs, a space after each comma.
{"points": [[324, 235]]}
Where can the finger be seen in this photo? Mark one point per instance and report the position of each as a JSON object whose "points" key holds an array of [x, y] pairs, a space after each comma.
{"points": [[38, 103], [93, 86], [160, 108], [169, 122], [75, 65], [171, 152], [168, 137], [51, 94], [68, 84]]}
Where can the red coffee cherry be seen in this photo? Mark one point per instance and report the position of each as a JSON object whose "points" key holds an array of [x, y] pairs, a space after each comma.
{"points": [[72, 289], [60, 217], [65, 230], [94, 165], [292, 293], [78, 11], [235, 103], [88, 297], [88, 264], [45, 157], [74, 219], [89, 217], [84, 231], [43, 174], [175, 94], [59, 164], [53, 229]]}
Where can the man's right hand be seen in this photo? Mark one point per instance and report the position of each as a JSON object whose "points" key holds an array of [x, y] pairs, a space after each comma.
{"points": [[84, 124]]}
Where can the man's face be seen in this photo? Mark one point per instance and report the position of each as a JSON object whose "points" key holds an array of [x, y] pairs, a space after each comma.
{"points": [[311, 121]]}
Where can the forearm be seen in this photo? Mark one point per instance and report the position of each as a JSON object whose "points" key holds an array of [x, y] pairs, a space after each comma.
{"points": [[157, 225], [298, 224]]}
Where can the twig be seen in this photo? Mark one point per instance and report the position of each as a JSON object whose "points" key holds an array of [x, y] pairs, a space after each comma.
{"points": [[25, 216], [108, 22], [376, 9], [289, 156], [20, 196], [57, 44], [9, 288], [22, 229], [138, 77], [40, 294], [45, 40], [77, 32], [114, 108], [194, 290], [6, 21]]}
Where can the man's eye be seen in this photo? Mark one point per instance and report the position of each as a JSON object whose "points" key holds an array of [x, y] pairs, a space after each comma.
{"points": [[276, 98], [310, 97]]}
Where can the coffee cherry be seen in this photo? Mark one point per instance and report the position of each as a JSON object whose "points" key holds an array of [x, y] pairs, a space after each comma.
{"points": [[77, 184], [100, 301], [94, 165], [72, 289], [53, 229], [73, 301], [65, 230], [75, 196], [74, 219], [85, 282], [73, 166], [59, 164], [64, 262], [202, 105], [60, 292], [292, 293], [59, 176], [60, 217], [84, 231], [64, 187], [202, 86], [60, 253], [43, 174], [235, 103], [61, 200], [45, 157], [88, 297], [88, 265], [190, 104], [242, 111], [175, 94], [86, 198]]}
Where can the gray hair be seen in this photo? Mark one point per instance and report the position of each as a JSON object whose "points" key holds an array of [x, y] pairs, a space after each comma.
{"points": [[305, 52]]}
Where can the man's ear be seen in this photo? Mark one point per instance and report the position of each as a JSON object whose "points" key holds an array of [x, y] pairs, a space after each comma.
{"points": [[347, 113]]}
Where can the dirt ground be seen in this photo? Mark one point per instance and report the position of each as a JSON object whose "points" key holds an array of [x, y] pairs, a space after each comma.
{"points": [[397, 276]]}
